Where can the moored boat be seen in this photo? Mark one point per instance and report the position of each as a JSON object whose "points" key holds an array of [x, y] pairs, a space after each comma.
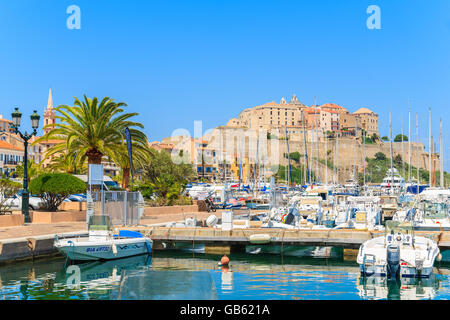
{"points": [[102, 244]]}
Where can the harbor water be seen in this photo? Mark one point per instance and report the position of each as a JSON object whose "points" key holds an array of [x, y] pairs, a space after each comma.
{"points": [[177, 275]]}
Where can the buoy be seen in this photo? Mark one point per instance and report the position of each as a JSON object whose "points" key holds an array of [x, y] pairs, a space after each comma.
{"points": [[439, 257], [224, 261]]}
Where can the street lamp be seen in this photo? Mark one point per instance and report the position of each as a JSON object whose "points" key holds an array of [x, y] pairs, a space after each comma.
{"points": [[16, 117]]}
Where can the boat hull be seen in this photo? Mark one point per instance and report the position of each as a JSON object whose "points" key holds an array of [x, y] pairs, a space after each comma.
{"points": [[84, 250], [405, 272]]}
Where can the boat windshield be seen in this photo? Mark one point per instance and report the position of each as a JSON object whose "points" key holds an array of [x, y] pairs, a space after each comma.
{"points": [[100, 222], [396, 226], [388, 200], [433, 210]]}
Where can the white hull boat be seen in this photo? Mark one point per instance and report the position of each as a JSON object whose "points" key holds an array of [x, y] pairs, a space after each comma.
{"points": [[83, 249], [102, 244], [398, 256]]}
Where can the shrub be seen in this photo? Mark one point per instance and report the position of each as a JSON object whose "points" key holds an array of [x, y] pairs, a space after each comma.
{"points": [[54, 188], [8, 188], [398, 138], [380, 156]]}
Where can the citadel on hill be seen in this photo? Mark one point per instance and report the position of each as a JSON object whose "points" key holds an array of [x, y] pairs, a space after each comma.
{"points": [[331, 135], [328, 117]]}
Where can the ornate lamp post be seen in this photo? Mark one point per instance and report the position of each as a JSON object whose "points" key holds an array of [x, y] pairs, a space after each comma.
{"points": [[16, 117]]}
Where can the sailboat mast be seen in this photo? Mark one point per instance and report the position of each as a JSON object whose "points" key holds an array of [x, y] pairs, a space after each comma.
{"points": [[354, 154], [326, 159], [409, 142], [429, 147], [392, 171], [316, 175], [306, 149], [403, 159], [364, 158], [289, 158], [418, 160], [337, 157], [441, 178]]}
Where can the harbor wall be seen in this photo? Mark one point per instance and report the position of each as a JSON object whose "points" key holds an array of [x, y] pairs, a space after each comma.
{"points": [[46, 217], [26, 248], [12, 220], [198, 206]]}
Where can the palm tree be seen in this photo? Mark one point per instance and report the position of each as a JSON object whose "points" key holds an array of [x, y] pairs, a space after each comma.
{"points": [[33, 170], [92, 130], [66, 162]]}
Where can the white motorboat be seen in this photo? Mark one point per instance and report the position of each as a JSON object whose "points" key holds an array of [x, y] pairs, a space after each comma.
{"points": [[398, 254], [362, 212], [102, 244], [426, 216]]}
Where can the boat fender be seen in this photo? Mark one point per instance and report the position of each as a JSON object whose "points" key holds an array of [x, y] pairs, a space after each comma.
{"points": [[114, 248], [259, 238], [439, 257]]}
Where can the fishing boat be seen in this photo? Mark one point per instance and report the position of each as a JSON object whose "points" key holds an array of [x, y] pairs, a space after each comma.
{"points": [[398, 254], [102, 244]]}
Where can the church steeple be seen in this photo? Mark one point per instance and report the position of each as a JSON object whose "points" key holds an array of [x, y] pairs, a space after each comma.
{"points": [[50, 100], [49, 113]]}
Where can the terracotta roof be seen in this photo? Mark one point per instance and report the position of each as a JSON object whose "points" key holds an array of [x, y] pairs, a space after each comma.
{"points": [[363, 111], [9, 146]]}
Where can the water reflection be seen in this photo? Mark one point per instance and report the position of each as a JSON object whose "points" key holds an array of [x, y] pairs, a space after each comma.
{"points": [[262, 276], [374, 288]]}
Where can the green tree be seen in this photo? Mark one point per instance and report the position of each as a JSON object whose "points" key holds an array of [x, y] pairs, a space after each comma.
{"points": [[398, 138], [385, 138], [91, 128], [33, 170], [380, 156], [8, 188], [54, 188]]}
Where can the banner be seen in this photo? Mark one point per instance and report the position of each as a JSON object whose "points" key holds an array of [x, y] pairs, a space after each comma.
{"points": [[130, 151]]}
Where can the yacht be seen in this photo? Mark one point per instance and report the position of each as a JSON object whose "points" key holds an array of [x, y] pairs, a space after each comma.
{"points": [[392, 181]]}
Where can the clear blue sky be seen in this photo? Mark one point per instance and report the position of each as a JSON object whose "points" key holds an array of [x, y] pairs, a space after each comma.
{"points": [[179, 61]]}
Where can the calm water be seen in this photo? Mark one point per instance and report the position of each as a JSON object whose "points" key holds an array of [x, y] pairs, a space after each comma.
{"points": [[249, 277]]}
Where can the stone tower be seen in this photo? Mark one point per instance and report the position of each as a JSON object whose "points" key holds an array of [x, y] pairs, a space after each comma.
{"points": [[49, 113]]}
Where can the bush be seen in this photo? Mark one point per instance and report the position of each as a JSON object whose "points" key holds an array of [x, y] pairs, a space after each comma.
{"points": [[54, 188], [398, 138], [380, 156], [8, 188]]}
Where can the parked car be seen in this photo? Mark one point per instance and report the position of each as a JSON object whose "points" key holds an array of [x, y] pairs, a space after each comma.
{"points": [[15, 202], [77, 198]]}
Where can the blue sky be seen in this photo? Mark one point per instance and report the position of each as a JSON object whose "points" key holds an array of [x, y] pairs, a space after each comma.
{"points": [[175, 62]]}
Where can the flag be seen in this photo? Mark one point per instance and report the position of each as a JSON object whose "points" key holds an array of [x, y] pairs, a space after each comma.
{"points": [[130, 151]]}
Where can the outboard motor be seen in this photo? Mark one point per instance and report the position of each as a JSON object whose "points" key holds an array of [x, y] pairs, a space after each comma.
{"points": [[393, 261], [290, 218]]}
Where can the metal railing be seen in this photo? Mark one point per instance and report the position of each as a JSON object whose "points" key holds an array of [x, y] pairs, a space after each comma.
{"points": [[124, 208]]}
